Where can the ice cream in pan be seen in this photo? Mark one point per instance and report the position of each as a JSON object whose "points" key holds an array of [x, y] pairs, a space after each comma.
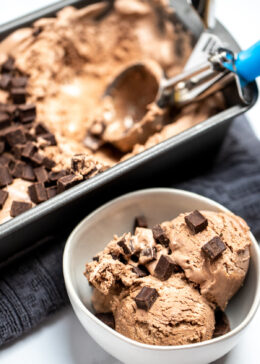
{"points": [[53, 77], [170, 284]]}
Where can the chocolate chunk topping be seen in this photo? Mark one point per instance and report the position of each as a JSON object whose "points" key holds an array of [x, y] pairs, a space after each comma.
{"points": [[122, 259], [5, 120], [159, 236], [165, 267], [41, 129], [37, 193], [96, 258], [146, 297], [17, 170], [48, 163], [3, 198], [17, 150], [18, 95], [140, 221], [41, 174], [8, 65], [15, 135], [28, 150], [28, 173], [54, 176], [37, 158], [141, 271], [5, 176], [135, 257], [50, 138], [67, 182], [27, 113], [18, 207], [214, 248], [106, 318], [2, 147], [5, 82], [222, 325], [196, 222], [126, 249], [18, 82], [148, 252], [51, 191], [92, 142]]}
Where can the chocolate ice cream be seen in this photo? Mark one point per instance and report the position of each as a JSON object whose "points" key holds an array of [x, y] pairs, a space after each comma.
{"points": [[163, 284]]}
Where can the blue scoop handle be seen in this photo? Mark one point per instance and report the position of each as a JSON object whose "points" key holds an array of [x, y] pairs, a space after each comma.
{"points": [[248, 63]]}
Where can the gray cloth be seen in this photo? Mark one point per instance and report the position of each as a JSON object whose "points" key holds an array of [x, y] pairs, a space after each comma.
{"points": [[32, 287]]}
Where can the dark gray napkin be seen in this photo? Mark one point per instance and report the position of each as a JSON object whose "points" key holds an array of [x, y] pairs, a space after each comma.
{"points": [[32, 287]]}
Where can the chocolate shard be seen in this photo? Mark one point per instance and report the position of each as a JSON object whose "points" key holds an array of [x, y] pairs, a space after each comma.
{"points": [[196, 222], [18, 95], [3, 198], [50, 138], [67, 182], [18, 82], [48, 163], [214, 248], [222, 325], [15, 135], [41, 174], [140, 221], [27, 113], [28, 150], [93, 143], [140, 271], [54, 176], [146, 297], [17, 170], [8, 65], [5, 82], [106, 318], [41, 128], [37, 193], [37, 158], [147, 255], [97, 128], [2, 147], [5, 120], [128, 250], [28, 173], [17, 150], [5, 176], [51, 192], [96, 258], [18, 207], [165, 267], [160, 236]]}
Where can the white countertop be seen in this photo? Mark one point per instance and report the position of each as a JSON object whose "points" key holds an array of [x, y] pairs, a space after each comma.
{"points": [[61, 339]]}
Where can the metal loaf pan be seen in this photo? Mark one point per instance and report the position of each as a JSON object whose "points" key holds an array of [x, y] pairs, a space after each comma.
{"points": [[167, 161]]}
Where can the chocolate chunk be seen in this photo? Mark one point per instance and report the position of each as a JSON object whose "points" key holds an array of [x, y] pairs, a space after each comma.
{"points": [[8, 65], [67, 182], [37, 193], [140, 221], [95, 259], [18, 95], [135, 257], [141, 271], [2, 147], [3, 198], [28, 150], [50, 138], [15, 135], [18, 82], [5, 120], [28, 173], [148, 252], [51, 192], [29, 136], [11, 110], [97, 128], [41, 174], [196, 222], [222, 325], [145, 298], [48, 163], [106, 318], [54, 176], [93, 143], [37, 158], [126, 249], [5, 176], [165, 267], [159, 236], [41, 128], [5, 82], [27, 113], [214, 248], [17, 170], [18, 207]]}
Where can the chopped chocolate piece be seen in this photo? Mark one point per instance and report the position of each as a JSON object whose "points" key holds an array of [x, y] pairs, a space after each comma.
{"points": [[141, 271], [5, 120], [214, 248], [3, 198], [196, 222], [135, 258], [222, 325], [165, 267], [140, 221], [122, 259], [54, 176], [41, 129], [37, 193], [11, 110], [28, 173], [15, 135], [96, 258], [159, 236], [18, 207], [93, 143], [18, 95], [148, 252], [50, 138], [106, 318], [37, 158], [78, 162], [5, 176], [28, 150], [48, 163], [17, 150], [41, 174], [126, 249], [18, 82], [5, 82], [8, 65], [146, 297], [97, 128], [27, 113], [114, 256], [29, 136], [67, 182], [51, 191], [17, 170], [2, 147]]}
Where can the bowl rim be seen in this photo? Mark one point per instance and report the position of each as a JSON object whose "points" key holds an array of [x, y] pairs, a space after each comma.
{"points": [[76, 299]]}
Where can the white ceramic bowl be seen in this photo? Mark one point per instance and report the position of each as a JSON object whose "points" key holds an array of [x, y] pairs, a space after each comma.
{"points": [[117, 216]]}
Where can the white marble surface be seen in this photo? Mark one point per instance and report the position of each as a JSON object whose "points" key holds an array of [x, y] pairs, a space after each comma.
{"points": [[61, 339]]}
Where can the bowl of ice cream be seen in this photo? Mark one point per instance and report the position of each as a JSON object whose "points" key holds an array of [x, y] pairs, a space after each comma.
{"points": [[164, 295]]}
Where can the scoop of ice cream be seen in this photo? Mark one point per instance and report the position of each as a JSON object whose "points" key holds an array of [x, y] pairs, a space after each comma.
{"points": [[179, 316]]}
